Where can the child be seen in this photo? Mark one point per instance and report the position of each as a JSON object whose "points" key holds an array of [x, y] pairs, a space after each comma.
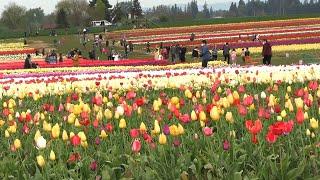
{"points": [[234, 57]]}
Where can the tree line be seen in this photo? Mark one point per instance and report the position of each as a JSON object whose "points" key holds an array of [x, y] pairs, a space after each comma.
{"points": [[273, 7]]}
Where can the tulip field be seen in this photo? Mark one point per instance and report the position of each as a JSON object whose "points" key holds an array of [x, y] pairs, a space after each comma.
{"points": [[162, 122], [149, 119]]}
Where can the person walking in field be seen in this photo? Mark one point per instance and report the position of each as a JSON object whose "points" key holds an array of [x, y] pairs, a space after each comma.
{"points": [[215, 53], [226, 52], [266, 52], [234, 57], [205, 54]]}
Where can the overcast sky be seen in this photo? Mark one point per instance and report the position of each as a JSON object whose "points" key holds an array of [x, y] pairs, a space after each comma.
{"points": [[49, 5]]}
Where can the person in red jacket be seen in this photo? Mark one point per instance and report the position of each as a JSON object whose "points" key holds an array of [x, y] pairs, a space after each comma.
{"points": [[266, 52]]}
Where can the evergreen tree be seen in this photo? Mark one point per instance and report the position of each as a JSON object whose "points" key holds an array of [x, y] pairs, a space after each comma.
{"points": [[61, 19], [136, 9], [206, 11], [194, 8], [241, 8]]}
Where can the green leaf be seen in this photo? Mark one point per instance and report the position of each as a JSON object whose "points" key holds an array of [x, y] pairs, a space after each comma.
{"points": [[296, 172]]}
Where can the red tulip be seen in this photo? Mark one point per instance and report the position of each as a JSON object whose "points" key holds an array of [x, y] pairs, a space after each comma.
{"points": [[176, 142], [140, 102], [134, 133], [313, 85], [93, 166], [300, 116], [147, 137], [261, 113], [277, 108], [75, 140], [136, 146], [109, 127], [74, 157], [271, 138], [216, 97], [248, 101], [254, 139], [253, 127]]}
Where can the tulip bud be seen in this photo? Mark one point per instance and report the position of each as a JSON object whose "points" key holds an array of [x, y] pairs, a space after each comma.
{"points": [[314, 123], [308, 133], [143, 127], [55, 131], [6, 134], [313, 135], [162, 139], [229, 117], [263, 95], [52, 156], [193, 116], [122, 123], [40, 160], [17, 144], [214, 114], [65, 135], [289, 89], [202, 116]]}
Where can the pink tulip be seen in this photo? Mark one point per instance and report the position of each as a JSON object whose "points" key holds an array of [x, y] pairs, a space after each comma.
{"points": [[207, 131], [166, 130], [226, 145], [136, 146], [93, 166]]}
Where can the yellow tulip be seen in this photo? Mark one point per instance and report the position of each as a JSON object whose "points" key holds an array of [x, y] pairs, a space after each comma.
{"points": [[305, 115], [77, 123], [139, 110], [71, 134], [193, 115], [198, 94], [229, 117], [55, 131], [143, 127], [103, 134], [46, 126], [17, 143], [122, 123], [84, 144], [188, 93], [202, 116], [40, 160], [180, 129], [52, 156], [156, 129], [162, 139], [308, 133], [82, 136], [71, 118], [214, 114], [289, 89], [37, 135], [175, 100], [283, 113], [65, 135], [174, 130], [230, 98], [6, 134], [314, 124], [116, 115], [108, 114], [313, 135], [232, 134]]}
